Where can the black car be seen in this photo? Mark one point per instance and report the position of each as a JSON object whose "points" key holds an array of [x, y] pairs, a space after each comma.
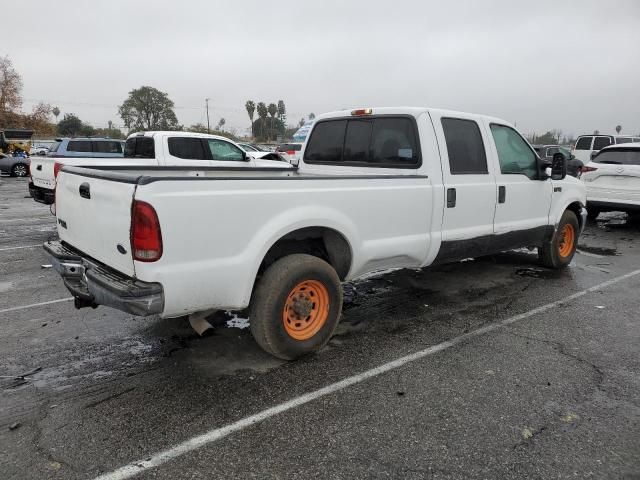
{"points": [[546, 153]]}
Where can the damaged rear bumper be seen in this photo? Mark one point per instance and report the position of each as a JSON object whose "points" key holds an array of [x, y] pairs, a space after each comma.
{"points": [[93, 284]]}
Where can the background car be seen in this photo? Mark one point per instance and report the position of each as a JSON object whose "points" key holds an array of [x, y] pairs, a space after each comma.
{"points": [[256, 152], [612, 179], [290, 151], [39, 150], [546, 153], [587, 145], [14, 166], [87, 147]]}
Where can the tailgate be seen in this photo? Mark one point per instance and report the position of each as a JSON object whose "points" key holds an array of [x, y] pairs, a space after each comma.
{"points": [[41, 170], [96, 221]]}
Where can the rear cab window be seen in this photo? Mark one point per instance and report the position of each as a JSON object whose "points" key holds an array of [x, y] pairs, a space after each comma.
{"points": [[624, 140], [380, 142], [139, 147]]}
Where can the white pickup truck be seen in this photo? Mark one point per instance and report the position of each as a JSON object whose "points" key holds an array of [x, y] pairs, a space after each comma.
{"points": [[375, 189], [181, 149]]}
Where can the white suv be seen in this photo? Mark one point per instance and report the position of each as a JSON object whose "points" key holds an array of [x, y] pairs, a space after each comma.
{"points": [[612, 179], [587, 145]]}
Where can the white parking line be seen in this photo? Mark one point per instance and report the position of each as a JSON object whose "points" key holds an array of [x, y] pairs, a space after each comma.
{"points": [[19, 248], [13, 309], [211, 436]]}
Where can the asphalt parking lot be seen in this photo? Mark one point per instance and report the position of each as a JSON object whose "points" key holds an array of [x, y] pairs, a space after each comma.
{"points": [[490, 368]]}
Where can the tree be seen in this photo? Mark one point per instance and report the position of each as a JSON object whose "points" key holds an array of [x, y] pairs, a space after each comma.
{"points": [[618, 128], [56, 112], [251, 108], [263, 112], [70, 125], [301, 122], [312, 116], [268, 128], [596, 132], [221, 124], [282, 112], [148, 108], [273, 110], [10, 86]]}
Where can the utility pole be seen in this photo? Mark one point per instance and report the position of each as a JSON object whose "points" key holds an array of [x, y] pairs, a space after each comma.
{"points": [[207, 101]]}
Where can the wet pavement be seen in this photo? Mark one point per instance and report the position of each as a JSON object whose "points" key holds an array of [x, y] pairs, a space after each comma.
{"points": [[555, 393]]}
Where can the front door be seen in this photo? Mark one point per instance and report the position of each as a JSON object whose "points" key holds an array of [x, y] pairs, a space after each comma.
{"points": [[522, 211]]}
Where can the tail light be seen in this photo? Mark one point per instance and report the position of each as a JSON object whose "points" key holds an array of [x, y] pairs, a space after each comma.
{"points": [[586, 169], [146, 238], [56, 169], [291, 152]]}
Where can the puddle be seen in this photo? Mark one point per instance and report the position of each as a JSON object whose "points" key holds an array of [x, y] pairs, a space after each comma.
{"points": [[538, 273], [606, 252]]}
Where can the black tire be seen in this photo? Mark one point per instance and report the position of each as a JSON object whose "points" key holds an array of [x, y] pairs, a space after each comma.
{"points": [[19, 170], [592, 213], [555, 254], [275, 290]]}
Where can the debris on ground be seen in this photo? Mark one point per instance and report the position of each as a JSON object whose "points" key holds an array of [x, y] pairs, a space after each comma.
{"points": [[46, 266], [15, 426]]}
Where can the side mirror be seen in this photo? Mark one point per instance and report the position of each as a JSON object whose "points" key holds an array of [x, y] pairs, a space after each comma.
{"points": [[558, 167], [594, 155]]}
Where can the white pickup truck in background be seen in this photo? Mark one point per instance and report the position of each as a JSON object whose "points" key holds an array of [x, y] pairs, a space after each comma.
{"points": [[169, 149], [375, 189]]}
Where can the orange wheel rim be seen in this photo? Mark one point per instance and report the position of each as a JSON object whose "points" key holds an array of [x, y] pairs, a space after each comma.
{"points": [[567, 240], [306, 310]]}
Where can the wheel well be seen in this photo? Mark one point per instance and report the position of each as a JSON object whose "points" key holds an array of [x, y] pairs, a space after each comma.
{"points": [[321, 242], [575, 207]]}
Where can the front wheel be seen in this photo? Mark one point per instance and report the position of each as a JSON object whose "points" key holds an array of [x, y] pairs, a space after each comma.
{"points": [[559, 252], [296, 306]]}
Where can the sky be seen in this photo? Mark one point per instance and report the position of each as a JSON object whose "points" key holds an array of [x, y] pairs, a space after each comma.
{"points": [[572, 65]]}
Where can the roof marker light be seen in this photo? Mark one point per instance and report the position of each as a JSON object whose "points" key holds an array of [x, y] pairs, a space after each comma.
{"points": [[362, 111]]}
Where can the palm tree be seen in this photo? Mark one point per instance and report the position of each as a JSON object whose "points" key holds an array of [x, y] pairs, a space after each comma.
{"points": [[221, 124], [618, 129], [56, 112], [272, 109], [251, 108], [262, 113], [312, 116]]}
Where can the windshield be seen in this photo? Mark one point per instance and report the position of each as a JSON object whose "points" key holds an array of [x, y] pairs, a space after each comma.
{"points": [[619, 157]]}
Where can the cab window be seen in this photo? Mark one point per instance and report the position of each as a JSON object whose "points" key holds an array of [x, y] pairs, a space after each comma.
{"points": [[584, 143], [514, 153], [224, 151], [600, 142]]}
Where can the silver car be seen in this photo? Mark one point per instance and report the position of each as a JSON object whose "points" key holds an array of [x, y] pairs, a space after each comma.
{"points": [[14, 166]]}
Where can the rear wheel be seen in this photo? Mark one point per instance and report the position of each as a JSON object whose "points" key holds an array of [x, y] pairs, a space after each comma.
{"points": [[296, 306], [559, 252], [19, 170]]}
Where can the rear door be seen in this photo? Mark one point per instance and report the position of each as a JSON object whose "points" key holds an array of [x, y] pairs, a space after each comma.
{"points": [[470, 186], [523, 199], [94, 216]]}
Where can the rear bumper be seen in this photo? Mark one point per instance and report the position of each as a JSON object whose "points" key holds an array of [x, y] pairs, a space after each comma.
{"points": [[42, 195], [93, 284]]}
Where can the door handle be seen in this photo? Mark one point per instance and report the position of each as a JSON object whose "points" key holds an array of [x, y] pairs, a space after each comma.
{"points": [[451, 197], [85, 190], [502, 193]]}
